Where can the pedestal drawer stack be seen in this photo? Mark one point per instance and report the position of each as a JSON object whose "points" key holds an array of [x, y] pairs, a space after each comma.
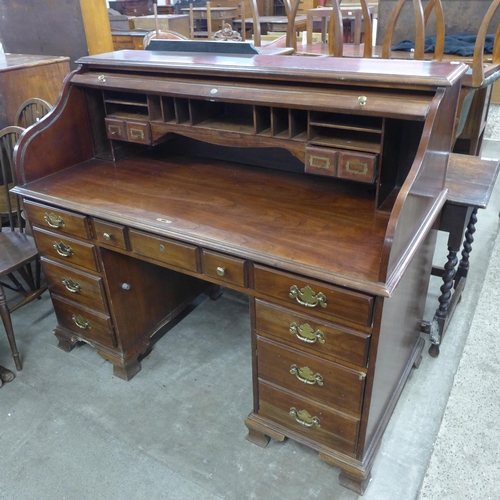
{"points": [[311, 368]]}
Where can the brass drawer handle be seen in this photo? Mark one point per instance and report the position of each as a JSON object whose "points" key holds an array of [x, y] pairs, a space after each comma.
{"points": [[220, 271], [71, 285], [319, 162], [136, 133], [106, 236], [53, 220], [356, 167], [303, 417], [80, 322], [306, 375], [307, 334], [114, 130], [62, 249], [306, 296]]}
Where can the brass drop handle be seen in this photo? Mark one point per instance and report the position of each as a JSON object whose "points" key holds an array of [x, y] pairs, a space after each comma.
{"points": [[303, 417], [62, 249], [307, 297], [106, 236], [220, 271], [71, 285], [101, 78], [362, 99], [306, 375], [53, 220], [307, 334], [80, 322]]}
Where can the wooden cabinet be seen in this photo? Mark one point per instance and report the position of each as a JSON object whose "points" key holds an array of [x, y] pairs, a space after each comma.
{"points": [[25, 76], [313, 185]]}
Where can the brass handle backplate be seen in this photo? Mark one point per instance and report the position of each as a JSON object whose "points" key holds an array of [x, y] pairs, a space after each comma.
{"points": [[306, 375], [356, 167], [303, 417], [319, 162], [114, 130], [53, 220], [307, 297], [306, 333], [62, 249], [71, 285], [80, 322], [136, 133]]}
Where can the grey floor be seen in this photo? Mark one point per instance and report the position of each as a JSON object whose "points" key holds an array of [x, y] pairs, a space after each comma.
{"points": [[70, 430]]}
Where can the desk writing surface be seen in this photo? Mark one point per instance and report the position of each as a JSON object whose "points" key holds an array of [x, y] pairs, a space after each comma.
{"points": [[251, 212]]}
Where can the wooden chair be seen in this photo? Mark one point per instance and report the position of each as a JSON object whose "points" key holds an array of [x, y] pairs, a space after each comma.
{"points": [[31, 111], [17, 249], [336, 34]]}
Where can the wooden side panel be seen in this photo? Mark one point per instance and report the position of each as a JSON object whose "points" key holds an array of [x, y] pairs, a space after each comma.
{"points": [[391, 362], [422, 194], [61, 139]]}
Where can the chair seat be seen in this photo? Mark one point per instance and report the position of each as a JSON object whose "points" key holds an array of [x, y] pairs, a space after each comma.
{"points": [[15, 249]]}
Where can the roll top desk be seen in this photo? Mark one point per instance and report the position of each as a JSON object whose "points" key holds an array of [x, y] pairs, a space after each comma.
{"points": [[312, 185]]}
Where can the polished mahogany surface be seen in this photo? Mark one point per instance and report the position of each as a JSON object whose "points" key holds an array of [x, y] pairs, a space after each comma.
{"points": [[311, 185]]}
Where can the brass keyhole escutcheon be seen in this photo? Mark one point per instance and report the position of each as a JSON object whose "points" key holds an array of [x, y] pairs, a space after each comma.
{"points": [[220, 271]]}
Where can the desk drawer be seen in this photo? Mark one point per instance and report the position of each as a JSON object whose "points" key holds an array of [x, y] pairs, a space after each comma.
{"points": [[75, 285], [224, 268], [313, 297], [309, 335], [85, 323], [57, 220], [165, 250], [310, 376], [313, 420], [61, 248], [110, 234]]}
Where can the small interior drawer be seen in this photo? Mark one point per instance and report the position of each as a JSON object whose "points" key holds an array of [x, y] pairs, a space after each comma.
{"points": [[57, 220], [115, 129], [85, 323], [325, 425], [321, 161], [110, 233], [310, 376], [310, 335], [162, 249], [223, 267], [138, 132], [361, 167], [84, 288], [315, 298], [64, 249]]}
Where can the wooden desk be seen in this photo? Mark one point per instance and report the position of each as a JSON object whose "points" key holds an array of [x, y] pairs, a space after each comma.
{"points": [[320, 208], [354, 13], [25, 76], [470, 182]]}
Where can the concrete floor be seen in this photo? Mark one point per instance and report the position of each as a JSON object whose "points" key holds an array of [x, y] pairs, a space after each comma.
{"points": [[70, 430]]}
